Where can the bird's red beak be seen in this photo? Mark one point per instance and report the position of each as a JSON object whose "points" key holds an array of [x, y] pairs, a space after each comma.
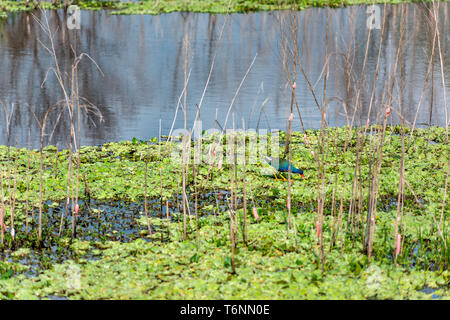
{"points": [[303, 176]]}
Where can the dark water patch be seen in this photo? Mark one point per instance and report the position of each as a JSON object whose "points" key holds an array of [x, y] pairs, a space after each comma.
{"points": [[423, 255], [97, 222], [390, 203], [115, 220], [429, 290], [36, 260]]}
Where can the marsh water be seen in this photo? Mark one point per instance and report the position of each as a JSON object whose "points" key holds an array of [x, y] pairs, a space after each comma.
{"points": [[142, 59]]}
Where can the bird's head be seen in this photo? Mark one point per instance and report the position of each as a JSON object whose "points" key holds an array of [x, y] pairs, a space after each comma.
{"points": [[300, 172]]}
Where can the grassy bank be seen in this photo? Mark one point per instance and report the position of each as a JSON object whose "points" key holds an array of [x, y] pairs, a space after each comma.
{"points": [[208, 6], [194, 259]]}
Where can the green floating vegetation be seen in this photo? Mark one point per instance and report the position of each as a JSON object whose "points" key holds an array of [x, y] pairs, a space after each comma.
{"points": [[269, 267], [272, 264], [116, 170], [154, 7]]}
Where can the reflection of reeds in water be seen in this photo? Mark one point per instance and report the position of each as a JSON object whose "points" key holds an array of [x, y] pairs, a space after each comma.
{"points": [[72, 106]]}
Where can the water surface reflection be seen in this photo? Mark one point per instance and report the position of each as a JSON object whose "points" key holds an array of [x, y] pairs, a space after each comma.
{"points": [[142, 58]]}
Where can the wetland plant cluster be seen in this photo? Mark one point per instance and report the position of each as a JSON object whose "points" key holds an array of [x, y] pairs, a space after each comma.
{"points": [[130, 220], [123, 253]]}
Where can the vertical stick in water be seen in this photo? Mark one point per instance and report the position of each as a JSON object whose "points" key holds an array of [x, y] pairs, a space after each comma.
{"points": [[232, 241], [13, 204], [186, 139], [69, 171], [27, 196], [145, 198], [244, 193], [160, 178], [2, 209], [168, 221], [235, 181], [40, 183]]}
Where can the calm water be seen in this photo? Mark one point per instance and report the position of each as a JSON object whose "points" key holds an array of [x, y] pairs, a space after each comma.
{"points": [[143, 58]]}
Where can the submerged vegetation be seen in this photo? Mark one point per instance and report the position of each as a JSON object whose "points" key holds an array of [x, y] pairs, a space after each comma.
{"points": [[167, 6], [192, 259]]}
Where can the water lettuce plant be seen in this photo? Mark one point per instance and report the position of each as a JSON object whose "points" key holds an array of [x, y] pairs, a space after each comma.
{"points": [[270, 267], [112, 257]]}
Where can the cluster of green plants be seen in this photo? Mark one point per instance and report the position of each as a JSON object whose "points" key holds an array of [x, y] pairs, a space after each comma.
{"points": [[116, 170], [208, 6], [274, 261], [269, 266]]}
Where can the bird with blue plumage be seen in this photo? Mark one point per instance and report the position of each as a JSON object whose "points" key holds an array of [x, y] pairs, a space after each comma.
{"points": [[282, 166]]}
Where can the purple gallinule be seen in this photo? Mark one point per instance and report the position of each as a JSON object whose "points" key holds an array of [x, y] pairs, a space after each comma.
{"points": [[282, 165]]}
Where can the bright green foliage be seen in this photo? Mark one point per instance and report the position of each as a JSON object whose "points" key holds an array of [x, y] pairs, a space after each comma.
{"points": [[271, 265], [268, 268]]}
